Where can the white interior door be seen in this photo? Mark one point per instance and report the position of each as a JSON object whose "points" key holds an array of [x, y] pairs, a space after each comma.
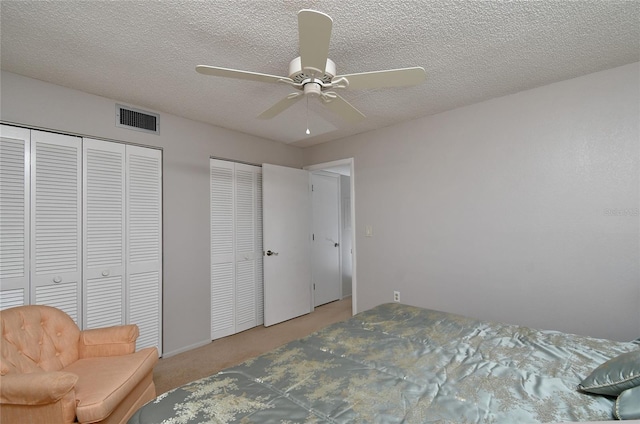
{"points": [[286, 242], [325, 241]]}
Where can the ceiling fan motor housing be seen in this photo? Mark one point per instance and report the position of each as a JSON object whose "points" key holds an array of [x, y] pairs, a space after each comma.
{"points": [[300, 76]]}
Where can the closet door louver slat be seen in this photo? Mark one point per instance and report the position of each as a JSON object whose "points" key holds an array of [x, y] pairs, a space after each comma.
{"points": [[144, 298], [245, 296], [10, 298], [143, 203], [245, 209], [56, 209], [222, 211], [63, 296], [13, 213], [222, 300], [103, 303]]}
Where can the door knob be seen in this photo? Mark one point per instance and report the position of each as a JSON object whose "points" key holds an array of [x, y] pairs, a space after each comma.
{"points": [[336, 244], [270, 253]]}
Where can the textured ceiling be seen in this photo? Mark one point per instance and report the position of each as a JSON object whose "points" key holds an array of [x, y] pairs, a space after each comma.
{"points": [[143, 53]]}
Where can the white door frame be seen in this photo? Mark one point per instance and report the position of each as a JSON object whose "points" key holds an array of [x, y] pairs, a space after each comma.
{"points": [[325, 165]]}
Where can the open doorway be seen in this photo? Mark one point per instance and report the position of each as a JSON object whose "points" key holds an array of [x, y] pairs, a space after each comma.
{"points": [[341, 174]]}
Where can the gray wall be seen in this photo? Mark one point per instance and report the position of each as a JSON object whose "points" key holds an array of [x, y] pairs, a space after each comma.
{"points": [[521, 209], [187, 146]]}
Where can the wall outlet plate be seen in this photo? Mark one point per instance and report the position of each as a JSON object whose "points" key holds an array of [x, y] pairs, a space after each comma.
{"points": [[396, 296]]}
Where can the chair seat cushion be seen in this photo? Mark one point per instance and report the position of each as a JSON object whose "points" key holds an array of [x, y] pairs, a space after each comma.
{"points": [[104, 382]]}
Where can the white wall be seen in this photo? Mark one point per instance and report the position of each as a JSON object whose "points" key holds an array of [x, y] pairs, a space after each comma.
{"points": [[186, 146], [502, 210]]}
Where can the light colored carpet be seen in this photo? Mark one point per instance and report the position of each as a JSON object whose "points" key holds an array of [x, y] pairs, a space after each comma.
{"points": [[177, 370]]}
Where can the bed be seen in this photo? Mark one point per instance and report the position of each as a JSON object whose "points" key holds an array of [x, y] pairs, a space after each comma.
{"points": [[403, 364]]}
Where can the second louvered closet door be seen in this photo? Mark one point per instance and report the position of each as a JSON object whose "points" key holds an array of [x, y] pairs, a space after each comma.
{"points": [[104, 229], [144, 244], [245, 246], [56, 226], [236, 247]]}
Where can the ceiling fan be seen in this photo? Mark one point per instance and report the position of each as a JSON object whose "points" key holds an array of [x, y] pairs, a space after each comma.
{"points": [[313, 74]]}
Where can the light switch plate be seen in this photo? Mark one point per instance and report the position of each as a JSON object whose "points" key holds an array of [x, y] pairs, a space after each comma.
{"points": [[368, 231]]}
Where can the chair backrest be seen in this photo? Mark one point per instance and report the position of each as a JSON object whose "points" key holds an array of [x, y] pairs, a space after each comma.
{"points": [[36, 338]]}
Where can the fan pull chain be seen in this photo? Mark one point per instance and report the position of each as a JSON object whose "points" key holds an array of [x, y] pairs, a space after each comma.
{"points": [[308, 132]]}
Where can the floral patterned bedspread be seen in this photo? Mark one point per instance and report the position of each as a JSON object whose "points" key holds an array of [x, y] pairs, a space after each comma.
{"points": [[402, 364]]}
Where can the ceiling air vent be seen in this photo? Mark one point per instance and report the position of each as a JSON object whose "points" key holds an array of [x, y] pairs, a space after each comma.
{"points": [[135, 119]]}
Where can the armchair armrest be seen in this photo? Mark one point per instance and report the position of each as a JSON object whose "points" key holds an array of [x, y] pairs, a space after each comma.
{"points": [[108, 341], [37, 388]]}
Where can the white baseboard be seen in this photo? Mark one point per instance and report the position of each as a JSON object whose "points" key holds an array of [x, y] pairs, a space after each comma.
{"points": [[186, 348]]}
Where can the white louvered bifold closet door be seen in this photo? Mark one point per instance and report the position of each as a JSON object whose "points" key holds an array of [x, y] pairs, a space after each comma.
{"points": [[144, 244], [236, 247], [245, 246], [14, 216], [56, 209], [223, 307], [103, 241]]}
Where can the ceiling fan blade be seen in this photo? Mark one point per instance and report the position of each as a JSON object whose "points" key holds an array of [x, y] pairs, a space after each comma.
{"points": [[314, 29], [384, 79], [342, 107], [281, 106], [245, 75]]}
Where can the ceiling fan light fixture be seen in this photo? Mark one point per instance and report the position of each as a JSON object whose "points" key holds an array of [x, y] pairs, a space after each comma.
{"points": [[313, 89]]}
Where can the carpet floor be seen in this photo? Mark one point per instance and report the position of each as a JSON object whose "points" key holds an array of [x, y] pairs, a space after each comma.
{"points": [[188, 366]]}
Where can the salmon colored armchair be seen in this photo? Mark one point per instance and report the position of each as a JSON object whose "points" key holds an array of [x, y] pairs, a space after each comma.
{"points": [[51, 372]]}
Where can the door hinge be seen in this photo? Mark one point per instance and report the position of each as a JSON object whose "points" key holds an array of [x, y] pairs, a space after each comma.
{"points": [[311, 187], [313, 237], [314, 286]]}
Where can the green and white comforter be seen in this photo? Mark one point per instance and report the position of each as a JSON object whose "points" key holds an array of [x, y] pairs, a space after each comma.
{"points": [[402, 364]]}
